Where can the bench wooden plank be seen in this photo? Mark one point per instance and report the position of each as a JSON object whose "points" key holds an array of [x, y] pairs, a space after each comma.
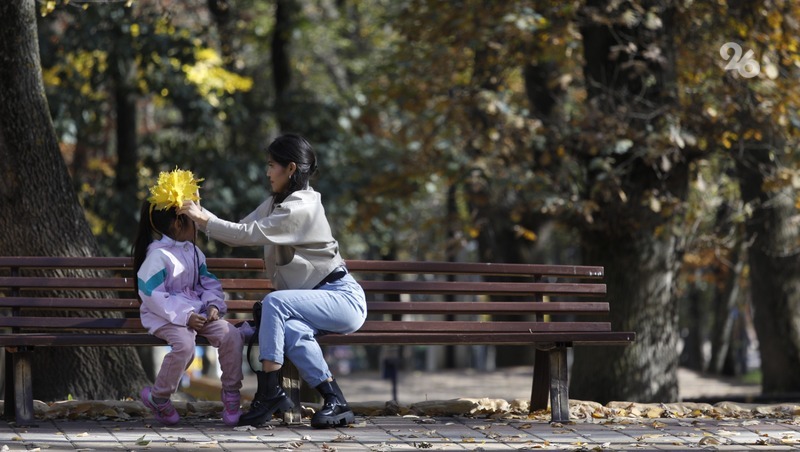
{"points": [[493, 307], [370, 326], [36, 283], [571, 337], [355, 265], [357, 338], [374, 307], [476, 268], [454, 326]]}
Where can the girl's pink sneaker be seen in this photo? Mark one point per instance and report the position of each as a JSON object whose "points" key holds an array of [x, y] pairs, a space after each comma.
{"points": [[231, 410], [164, 413]]}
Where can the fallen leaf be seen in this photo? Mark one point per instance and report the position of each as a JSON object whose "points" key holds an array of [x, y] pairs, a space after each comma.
{"points": [[708, 441], [649, 436], [654, 413]]}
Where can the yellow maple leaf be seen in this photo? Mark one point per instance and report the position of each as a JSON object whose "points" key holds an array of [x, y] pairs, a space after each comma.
{"points": [[173, 188]]}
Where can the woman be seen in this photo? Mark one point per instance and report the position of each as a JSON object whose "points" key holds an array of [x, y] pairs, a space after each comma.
{"points": [[314, 292]]}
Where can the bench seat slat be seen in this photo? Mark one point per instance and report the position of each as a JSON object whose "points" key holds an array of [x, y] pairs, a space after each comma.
{"points": [[135, 339], [454, 326], [370, 326], [571, 337]]}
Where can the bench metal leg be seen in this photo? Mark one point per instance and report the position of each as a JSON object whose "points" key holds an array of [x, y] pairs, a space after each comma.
{"points": [[9, 400], [559, 384], [19, 388], [291, 384], [541, 381]]}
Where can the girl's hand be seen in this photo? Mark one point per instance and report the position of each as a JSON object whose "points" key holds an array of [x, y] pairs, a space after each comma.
{"points": [[213, 313], [196, 321]]}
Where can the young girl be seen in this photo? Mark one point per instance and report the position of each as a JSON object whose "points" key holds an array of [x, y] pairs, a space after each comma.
{"points": [[180, 298], [314, 293]]}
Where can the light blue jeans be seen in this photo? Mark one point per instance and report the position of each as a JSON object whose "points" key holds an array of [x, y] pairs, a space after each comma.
{"points": [[291, 320]]}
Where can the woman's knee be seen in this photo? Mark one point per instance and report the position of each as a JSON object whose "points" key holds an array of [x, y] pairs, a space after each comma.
{"points": [[296, 332]]}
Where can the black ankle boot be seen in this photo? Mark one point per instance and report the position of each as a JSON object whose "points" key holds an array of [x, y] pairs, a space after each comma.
{"points": [[269, 398], [334, 411]]}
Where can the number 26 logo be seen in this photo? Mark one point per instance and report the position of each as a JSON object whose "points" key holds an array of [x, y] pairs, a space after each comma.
{"points": [[746, 65]]}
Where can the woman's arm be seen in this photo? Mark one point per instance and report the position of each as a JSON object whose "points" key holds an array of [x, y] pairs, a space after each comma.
{"points": [[193, 210], [300, 221]]}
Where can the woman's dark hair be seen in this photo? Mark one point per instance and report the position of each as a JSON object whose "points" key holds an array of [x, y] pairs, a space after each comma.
{"points": [[290, 148], [162, 221]]}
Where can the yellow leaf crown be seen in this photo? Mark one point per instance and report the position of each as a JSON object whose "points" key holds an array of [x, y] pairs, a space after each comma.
{"points": [[173, 188]]}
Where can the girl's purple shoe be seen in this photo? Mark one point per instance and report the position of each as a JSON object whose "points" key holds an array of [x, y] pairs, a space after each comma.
{"points": [[231, 410], [164, 413]]}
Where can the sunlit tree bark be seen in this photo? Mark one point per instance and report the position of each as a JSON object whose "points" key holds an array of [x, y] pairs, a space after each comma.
{"points": [[40, 214]]}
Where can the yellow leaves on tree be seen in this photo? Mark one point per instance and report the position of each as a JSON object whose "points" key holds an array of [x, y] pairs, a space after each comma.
{"points": [[212, 79], [80, 65]]}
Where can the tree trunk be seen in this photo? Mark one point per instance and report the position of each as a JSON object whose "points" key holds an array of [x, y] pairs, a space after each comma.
{"points": [[725, 304], [630, 236], [639, 275], [123, 72], [774, 269], [695, 315], [281, 64], [39, 210]]}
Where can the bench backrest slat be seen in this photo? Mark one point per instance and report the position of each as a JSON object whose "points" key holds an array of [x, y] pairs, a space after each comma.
{"points": [[36, 283], [255, 264]]}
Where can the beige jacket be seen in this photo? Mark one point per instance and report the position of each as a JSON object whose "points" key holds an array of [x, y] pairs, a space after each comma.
{"points": [[299, 248]]}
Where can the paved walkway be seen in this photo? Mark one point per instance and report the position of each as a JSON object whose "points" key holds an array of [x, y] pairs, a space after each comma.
{"points": [[107, 426], [409, 433]]}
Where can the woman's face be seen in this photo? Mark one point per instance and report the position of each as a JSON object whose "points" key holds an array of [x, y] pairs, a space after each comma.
{"points": [[278, 175]]}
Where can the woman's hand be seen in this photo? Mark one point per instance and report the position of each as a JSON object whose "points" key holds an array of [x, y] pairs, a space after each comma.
{"points": [[196, 321], [193, 210], [213, 313]]}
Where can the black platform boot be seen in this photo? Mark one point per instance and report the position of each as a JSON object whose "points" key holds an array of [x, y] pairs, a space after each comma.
{"points": [[269, 398], [334, 411]]}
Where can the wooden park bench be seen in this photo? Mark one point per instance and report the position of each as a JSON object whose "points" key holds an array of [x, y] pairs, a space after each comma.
{"points": [[549, 307]]}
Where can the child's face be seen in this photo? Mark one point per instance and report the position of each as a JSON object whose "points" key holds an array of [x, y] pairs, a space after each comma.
{"points": [[185, 229]]}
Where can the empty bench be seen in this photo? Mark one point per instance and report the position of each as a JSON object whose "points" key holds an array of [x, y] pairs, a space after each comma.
{"points": [[549, 307]]}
